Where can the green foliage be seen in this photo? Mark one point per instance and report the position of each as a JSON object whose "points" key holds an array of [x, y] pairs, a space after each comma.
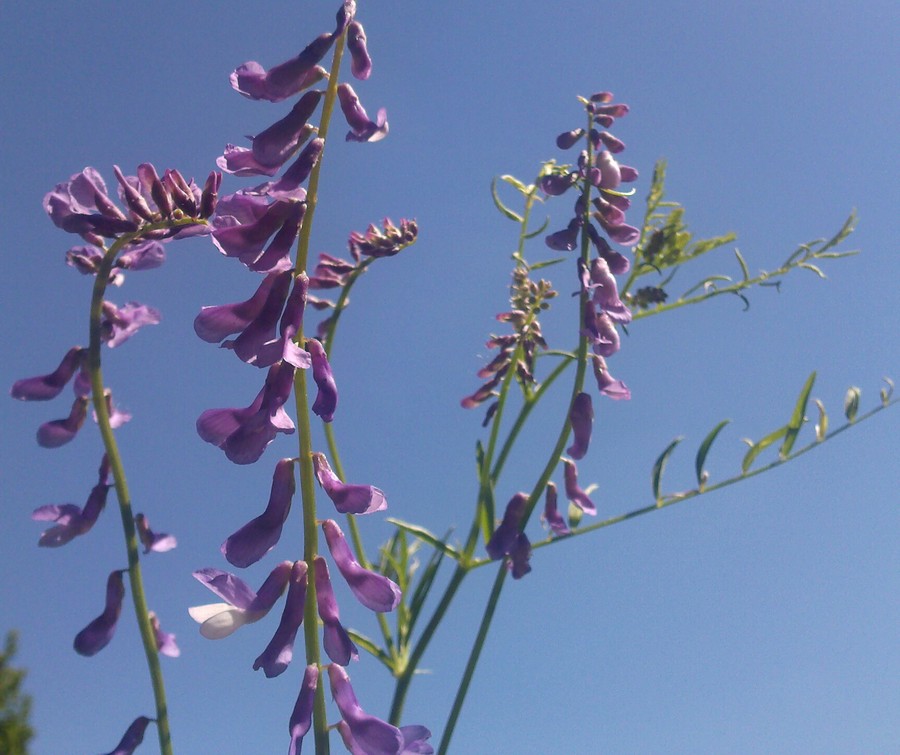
{"points": [[15, 705]]}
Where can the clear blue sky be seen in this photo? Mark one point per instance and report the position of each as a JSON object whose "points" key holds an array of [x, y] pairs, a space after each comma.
{"points": [[762, 618]]}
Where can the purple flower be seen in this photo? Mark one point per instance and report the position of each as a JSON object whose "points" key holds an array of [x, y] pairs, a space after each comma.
{"points": [[369, 734], [606, 294], [58, 432], [280, 651], [415, 740], [551, 515], [146, 254], [288, 186], [301, 717], [581, 417], [45, 387], [601, 331], [217, 322], [567, 139], [361, 65], [242, 606], [249, 222], [608, 386], [508, 540], [133, 737], [158, 542], [165, 641], [71, 520], [383, 243], [574, 493], [556, 184], [337, 642], [567, 239], [82, 205], [120, 323], [326, 397], [256, 538], [243, 434], [286, 79], [347, 499], [96, 635], [375, 591], [362, 128]]}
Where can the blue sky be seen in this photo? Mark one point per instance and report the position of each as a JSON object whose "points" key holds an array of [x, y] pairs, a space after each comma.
{"points": [[760, 618]]}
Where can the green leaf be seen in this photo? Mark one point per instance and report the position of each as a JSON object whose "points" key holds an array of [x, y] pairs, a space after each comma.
{"points": [[532, 234], [812, 267], [422, 589], [704, 450], [744, 269], [369, 646], [822, 424], [886, 393], [797, 417], [500, 206], [515, 182], [757, 448], [426, 537], [851, 402], [659, 467], [547, 263]]}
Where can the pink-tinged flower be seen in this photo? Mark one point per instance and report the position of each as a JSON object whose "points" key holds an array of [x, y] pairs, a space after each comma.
{"points": [[581, 417], [256, 538], [242, 606], [165, 641], [337, 642], [301, 717], [326, 398], [574, 493], [286, 79], [280, 651], [120, 323], [375, 591], [158, 542], [361, 65], [509, 540], [246, 223], [608, 386], [46, 387], [117, 416], [551, 514], [134, 736], [96, 635], [347, 499], [243, 434], [58, 432], [72, 521], [362, 128], [369, 734]]}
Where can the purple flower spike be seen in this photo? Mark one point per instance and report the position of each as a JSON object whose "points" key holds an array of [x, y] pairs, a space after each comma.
{"points": [[347, 499], [165, 641], [46, 387], [301, 717], [286, 79], [243, 434], [134, 736], [362, 128], [581, 416], [58, 432], [608, 386], [574, 493], [551, 514], [337, 642], [72, 521], [242, 606], [120, 323], [327, 397], [280, 651], [96, 635], [504, 537], [369, 734], [256, 538], [361, 66], [375, 591], [216, 323], [158, 542]]}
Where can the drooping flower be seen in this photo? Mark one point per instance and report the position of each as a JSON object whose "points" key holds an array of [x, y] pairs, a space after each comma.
{"points": [[326, 398], [581, 417], [347, 499], [71, 520], [216, 323], [361, 65], [58, 432], [606, 294], [509, 540], [301, 717], [165, 641], [567, 239], [246, 223], [288, 185], [118, 324], [157, 542], [336, 641], [370, 734], [134, 736], [375, 591], [551, 514], [608, 386], [46, 387], [256, 538], [242, 606], [280, 651], [362, 128], [286, 79], [573, 492], [96, 635]]}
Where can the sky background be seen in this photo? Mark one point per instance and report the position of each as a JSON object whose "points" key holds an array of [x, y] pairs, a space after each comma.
{"points": [[760, 618]]}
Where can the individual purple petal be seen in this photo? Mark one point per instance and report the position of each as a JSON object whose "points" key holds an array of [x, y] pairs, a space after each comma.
{"points": [[361, 65], [292, 321], [256, 338], [337, 642], [301, 717], [158, 542], [71, 520], [375, 591], [556, 184], [246, 239], [574, 493], [217, 322], [347, 499], [519, 556], [622, 233], [567, 139], [165, 641], [504, 537], [288, 186], [120, 323], [326, 397], [142, 255], [96, 635], [45, 387], [415, 740], [606, 340], [372, 735], [278, 654], [58, 432], [227, 586], [117, 416], [567, 239], [275, 145], [286, 79], [551, 514], [581, 417], [362, 128], [134, 736], [256, 538], [614, 389], [606, 294]]}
